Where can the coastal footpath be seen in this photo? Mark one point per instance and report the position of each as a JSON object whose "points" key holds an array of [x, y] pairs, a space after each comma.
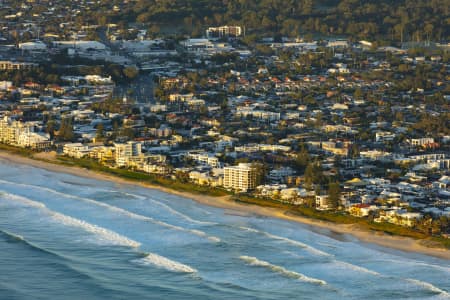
{"points": [[424, 246]]}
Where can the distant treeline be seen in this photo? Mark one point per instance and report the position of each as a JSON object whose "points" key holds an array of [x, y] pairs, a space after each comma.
{"points": [[396, 20]]}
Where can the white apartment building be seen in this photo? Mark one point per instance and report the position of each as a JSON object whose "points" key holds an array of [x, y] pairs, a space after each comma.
{"points": [[281, 174], [224, 31], [205, 159], [249, 148], [22, 134], [259, 114], [240, 178], [34, 140], [382, 136], [421, 141], [11, 129], [126, 152], [76, 150]]}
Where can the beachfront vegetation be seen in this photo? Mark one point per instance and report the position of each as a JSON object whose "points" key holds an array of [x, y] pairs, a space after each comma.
{"points": [[344, 218], [142, 177]]}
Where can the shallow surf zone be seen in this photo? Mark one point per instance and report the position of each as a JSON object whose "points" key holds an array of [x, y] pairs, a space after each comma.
{"points": [[164, 263], [161, 204], [253, 261], [19, 200], [103, 235], [356, 268], [428, 286], [308, 248], [119, 210]]}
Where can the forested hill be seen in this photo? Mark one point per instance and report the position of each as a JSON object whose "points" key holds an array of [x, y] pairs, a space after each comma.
{"points": [[410, 20]]}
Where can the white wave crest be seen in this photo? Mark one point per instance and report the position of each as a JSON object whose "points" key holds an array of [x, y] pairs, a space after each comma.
{"points": [[308, 248], [167, 207], [430, 287], [253, 261], [13, 235], [356, 268], [22, 200], [417, 263], [248, 229], [165, 263], [105, 235], [126, 194], [191, 231], [121, 211], [177, 213]]}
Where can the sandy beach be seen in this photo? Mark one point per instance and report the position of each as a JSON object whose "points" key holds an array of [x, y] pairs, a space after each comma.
{"points": [[378, 238]]}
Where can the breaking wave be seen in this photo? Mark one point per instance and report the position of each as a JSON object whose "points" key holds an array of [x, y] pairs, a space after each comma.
{"points": [[428, 286], [165, 206], [121, 211], [308, 248], [104, 235], [165, 263], [356, 268], [22, 200], [253, 261], [177, 213], [419, 263]]}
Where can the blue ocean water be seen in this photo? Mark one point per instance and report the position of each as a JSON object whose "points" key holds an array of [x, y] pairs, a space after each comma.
{"points": [[68, 237]]}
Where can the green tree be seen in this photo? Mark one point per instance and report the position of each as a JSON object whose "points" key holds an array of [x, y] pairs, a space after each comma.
{"points": [[261, 171], [334, 195], [130, 72], [100, 134], [302, 159], [66, 130], [50, 128], [313, 174]]}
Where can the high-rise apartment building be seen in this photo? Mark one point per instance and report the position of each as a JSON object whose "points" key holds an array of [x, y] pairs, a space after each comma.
{"points": [[126, 152], [242, 177]]}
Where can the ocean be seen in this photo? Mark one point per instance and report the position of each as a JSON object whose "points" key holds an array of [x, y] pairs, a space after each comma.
{"points": [[69, 237]]}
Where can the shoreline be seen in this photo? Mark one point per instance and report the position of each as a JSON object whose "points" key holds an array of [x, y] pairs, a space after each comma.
{"points": [[365, 236]]}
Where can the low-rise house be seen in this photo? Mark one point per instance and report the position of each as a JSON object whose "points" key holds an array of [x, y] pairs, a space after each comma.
{"points": [[399, 217], [293, 195], [153, 168], [341, 149], [205, 159], [322, 202], [361, 210], [76, 150], [280, 175], [421, 141]]}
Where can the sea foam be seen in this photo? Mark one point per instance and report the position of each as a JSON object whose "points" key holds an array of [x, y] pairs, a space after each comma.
{"points": [[177, 213], [165, 206], [165, 263], [356, 268], [308, 248], [104, 235], [120, 211], [428, 286], [253, 261], [22, 200]]}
